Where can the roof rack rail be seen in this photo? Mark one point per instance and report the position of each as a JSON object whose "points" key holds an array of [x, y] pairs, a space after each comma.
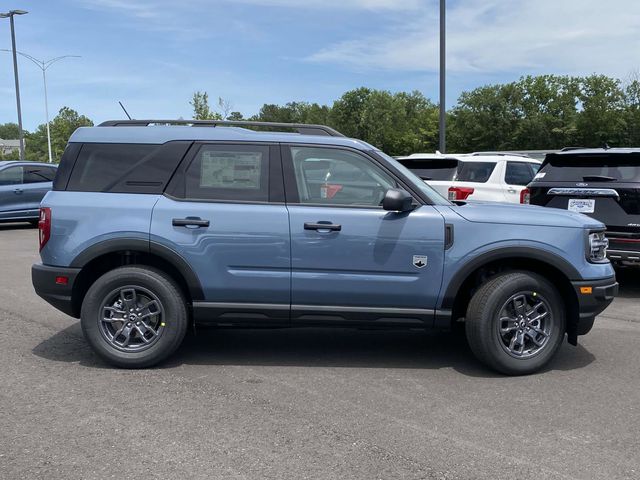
{"points": [[568, 149], [501, 154], [301, 128]]}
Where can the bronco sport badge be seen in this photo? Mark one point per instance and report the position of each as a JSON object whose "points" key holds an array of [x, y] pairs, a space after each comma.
{"points": [[419, 261]]}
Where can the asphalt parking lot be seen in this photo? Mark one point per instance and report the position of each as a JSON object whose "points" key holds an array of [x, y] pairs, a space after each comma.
{"points": [[308, 403]]}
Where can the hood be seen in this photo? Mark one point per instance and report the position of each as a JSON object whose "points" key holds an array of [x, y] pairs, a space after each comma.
{"points": [[489, 212]]}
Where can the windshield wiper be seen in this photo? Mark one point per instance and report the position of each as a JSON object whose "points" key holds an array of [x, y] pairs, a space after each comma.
{"points": [[598, 178]]}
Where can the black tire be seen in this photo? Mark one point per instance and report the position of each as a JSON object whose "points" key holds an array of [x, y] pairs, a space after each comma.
{"points": [[483, 322], [151, 286]]}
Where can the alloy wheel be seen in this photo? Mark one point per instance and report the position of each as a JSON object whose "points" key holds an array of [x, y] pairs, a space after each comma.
{"points": [[525, 324], [131, 318]]}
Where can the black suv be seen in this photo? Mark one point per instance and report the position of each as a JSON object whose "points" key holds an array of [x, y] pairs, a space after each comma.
{"points": [[603, 183]]}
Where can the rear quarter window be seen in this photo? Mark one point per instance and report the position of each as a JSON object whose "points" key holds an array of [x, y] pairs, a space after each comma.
{"points": [[125, 168], [39, 174]]}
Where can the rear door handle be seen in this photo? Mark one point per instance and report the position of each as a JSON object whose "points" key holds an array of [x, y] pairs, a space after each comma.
{"points": [[18, 191], [322, 226], [190, 222]]}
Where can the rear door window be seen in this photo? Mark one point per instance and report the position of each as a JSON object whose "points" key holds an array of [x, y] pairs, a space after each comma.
{"points": [[519, 173], [11, 176], [229, 172], [591, 168], [478, 172], [438, 169]]}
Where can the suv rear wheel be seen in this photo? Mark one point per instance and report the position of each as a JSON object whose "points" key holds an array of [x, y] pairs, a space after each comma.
{"points": [[134, 317], [516, 322]]}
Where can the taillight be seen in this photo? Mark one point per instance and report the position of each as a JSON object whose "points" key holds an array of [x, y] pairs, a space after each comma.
{"points": [[44, 226], [525, 196], [459, 193]]}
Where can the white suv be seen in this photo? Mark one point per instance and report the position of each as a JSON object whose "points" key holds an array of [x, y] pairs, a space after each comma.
{"points": [[476, 176]]}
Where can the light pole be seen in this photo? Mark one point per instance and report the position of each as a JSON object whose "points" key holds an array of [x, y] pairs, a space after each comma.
{"points": [[443, 106], [44, 65], [10, 16]]}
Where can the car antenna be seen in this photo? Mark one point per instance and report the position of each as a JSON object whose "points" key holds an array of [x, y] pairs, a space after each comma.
{"points": [[125, 110]]}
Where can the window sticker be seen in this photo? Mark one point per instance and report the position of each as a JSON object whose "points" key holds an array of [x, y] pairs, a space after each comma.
{"points": [[239, 170]]}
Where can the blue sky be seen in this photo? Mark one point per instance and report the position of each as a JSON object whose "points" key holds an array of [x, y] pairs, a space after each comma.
{"points": [[153, 54]]}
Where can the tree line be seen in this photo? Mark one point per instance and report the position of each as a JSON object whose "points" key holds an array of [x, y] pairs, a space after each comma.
{"points": [[533, 113], [61, 127]]}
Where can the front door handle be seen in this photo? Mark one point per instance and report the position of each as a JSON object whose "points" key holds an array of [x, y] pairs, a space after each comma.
{"points": [[322, 226], [189, 222], [18, 191]]}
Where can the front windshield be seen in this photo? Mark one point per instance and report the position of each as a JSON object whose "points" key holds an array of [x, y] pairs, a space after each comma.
{"points": [[416, 181]]}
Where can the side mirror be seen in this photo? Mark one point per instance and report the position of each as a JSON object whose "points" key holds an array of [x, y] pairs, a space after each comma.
{"points": [[397, 200]]}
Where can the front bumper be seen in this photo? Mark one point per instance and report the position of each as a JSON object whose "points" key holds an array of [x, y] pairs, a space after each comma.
{"points": [[624, 257], [593, 297], [48, 284]]}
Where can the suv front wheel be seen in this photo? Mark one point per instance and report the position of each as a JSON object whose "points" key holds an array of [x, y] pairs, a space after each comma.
{"points": [[134, 317], [516, 322]]}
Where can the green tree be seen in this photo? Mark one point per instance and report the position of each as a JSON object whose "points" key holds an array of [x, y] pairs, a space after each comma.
{"points": [[62, 126], [294, 112], [485, 118], [9, 131], [235, 116], [347, 113], [548, 112], [201, 109], [632, 110], [601, 119], [400, 123]]}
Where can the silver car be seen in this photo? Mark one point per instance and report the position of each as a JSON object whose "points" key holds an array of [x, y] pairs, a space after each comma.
{"points": [[22, 186]]}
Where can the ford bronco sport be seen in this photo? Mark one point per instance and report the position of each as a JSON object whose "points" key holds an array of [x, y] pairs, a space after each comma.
{"points": [[152, 227]]}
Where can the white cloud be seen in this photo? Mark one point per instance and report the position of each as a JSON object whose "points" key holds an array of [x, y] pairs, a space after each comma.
{"points": [[141, 9], [339, 4], [154, 8], [491, 36]]}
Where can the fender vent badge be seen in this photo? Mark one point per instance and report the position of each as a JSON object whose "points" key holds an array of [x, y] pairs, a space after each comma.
{"points": [[419, 261]]}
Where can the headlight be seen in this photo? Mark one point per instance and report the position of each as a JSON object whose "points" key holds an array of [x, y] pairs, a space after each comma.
{"points": [[597, 247]]}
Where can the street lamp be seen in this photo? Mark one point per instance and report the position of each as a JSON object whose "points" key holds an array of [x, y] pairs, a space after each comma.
{"points": [[44, 65], [10, 16], [443, 70]]}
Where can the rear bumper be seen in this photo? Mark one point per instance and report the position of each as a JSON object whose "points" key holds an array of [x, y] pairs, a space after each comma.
{"points": [[59, 295], [593, 297]]}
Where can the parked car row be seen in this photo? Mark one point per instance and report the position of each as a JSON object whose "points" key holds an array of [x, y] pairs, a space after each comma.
{"points": [[151, 228], [603, 183]]}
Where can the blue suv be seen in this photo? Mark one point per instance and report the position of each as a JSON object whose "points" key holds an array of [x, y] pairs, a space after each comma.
{"points": [[22, 187], [153, 227]]}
